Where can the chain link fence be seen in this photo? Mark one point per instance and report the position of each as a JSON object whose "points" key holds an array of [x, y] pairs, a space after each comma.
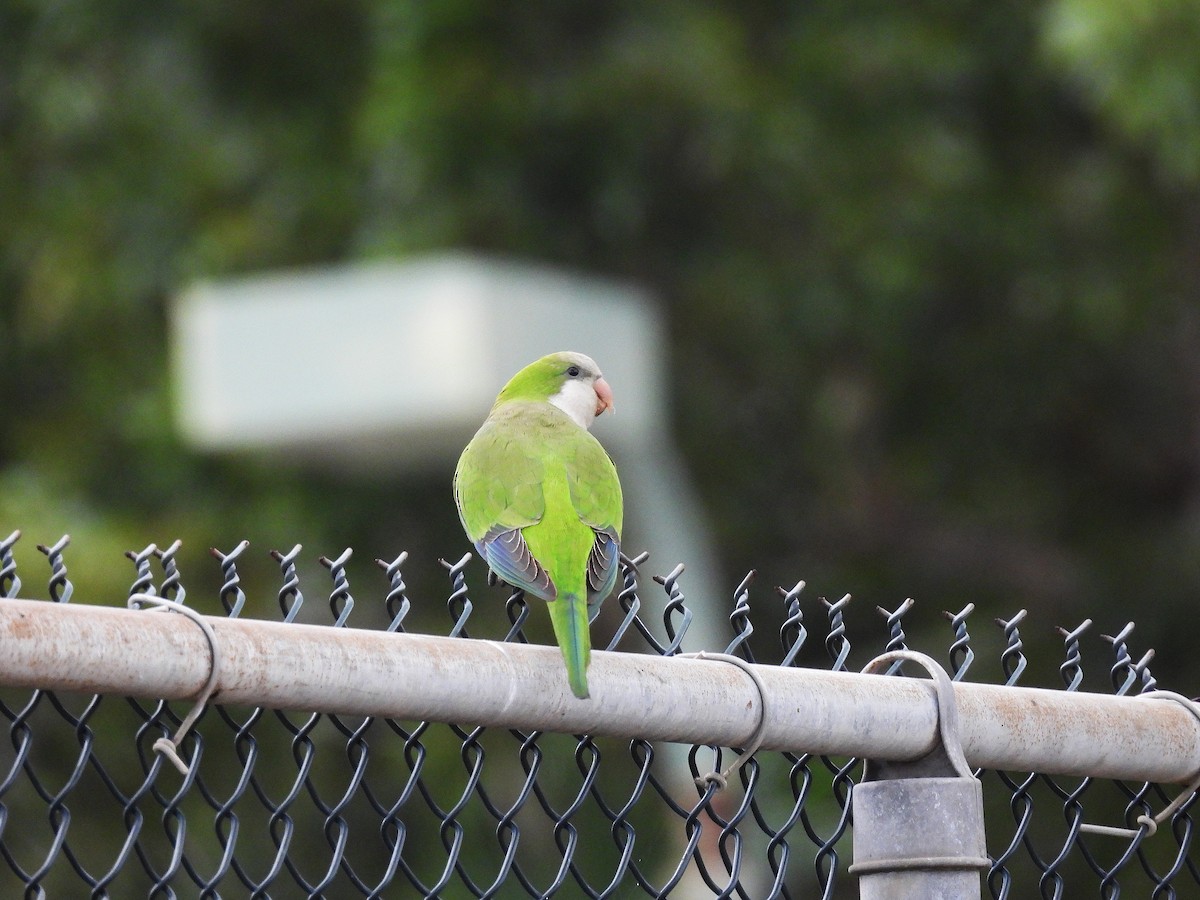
{"points": [[287, 803]]}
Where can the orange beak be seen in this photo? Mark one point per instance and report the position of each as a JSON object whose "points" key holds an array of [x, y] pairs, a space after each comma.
{"points": [[604, 397]]}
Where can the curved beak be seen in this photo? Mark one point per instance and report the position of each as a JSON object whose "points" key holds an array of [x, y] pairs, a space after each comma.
{"points": [[604, 397]]}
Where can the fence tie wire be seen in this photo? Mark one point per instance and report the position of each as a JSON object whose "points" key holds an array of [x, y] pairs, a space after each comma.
{"points": [[169, 747], [947, 707], [721, 779], [1151, 823]]}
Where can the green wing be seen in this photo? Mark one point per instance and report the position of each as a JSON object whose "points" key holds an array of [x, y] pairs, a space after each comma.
{"points": [[498, 484], [594, 485]]}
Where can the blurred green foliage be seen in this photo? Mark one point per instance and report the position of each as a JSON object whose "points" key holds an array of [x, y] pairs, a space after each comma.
{"points": [[931, 271]]}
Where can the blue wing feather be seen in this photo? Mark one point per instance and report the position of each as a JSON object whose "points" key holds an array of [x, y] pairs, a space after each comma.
{"points": [[506, 552], [603, 565]]}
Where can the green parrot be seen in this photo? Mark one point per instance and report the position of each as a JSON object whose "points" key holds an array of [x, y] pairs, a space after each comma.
{"points": [[540, 498]]}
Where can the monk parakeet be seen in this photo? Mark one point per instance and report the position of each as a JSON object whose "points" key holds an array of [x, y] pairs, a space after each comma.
{"points": [[540, 498]]}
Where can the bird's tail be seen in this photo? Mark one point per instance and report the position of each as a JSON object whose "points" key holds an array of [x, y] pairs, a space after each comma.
{"points": [[569, 615]]}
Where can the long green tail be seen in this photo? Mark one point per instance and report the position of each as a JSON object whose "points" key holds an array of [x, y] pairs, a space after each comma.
{"points": [[569, 617]]}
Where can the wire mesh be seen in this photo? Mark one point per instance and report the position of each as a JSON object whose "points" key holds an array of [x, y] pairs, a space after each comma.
{"points": [[301, 803]]}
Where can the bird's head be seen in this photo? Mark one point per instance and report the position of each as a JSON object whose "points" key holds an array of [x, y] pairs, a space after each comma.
{"points": [[571, 381]]}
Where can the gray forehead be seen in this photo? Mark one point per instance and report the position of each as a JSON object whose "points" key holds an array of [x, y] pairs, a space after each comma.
{"points": [[583, 361]]}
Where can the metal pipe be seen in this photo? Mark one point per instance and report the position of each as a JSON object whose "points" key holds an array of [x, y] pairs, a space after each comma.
{"points": [[71, 647], [919, 837]]}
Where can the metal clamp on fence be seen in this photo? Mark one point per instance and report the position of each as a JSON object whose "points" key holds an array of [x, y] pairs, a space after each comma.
{"points": [[169, 747], [1148, 825], [721, 779], [918, 824]]}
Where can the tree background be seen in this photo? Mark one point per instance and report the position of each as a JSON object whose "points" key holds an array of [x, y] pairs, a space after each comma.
{"points": [[931, 271]]}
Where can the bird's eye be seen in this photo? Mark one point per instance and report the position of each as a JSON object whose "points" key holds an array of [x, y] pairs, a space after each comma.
{"points": [[573, 371]]}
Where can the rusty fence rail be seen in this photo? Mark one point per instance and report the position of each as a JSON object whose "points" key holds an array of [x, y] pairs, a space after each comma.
{"points": [[331, 760]]}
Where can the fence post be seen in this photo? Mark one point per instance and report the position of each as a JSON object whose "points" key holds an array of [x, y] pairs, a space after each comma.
{"points": [[918, 824]]}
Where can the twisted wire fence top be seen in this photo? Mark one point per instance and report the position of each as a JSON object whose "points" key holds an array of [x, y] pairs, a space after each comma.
{"points": [[301, 803]]}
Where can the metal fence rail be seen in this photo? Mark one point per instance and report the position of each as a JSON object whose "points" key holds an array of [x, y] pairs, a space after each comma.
{"points": [[371, 790]]}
